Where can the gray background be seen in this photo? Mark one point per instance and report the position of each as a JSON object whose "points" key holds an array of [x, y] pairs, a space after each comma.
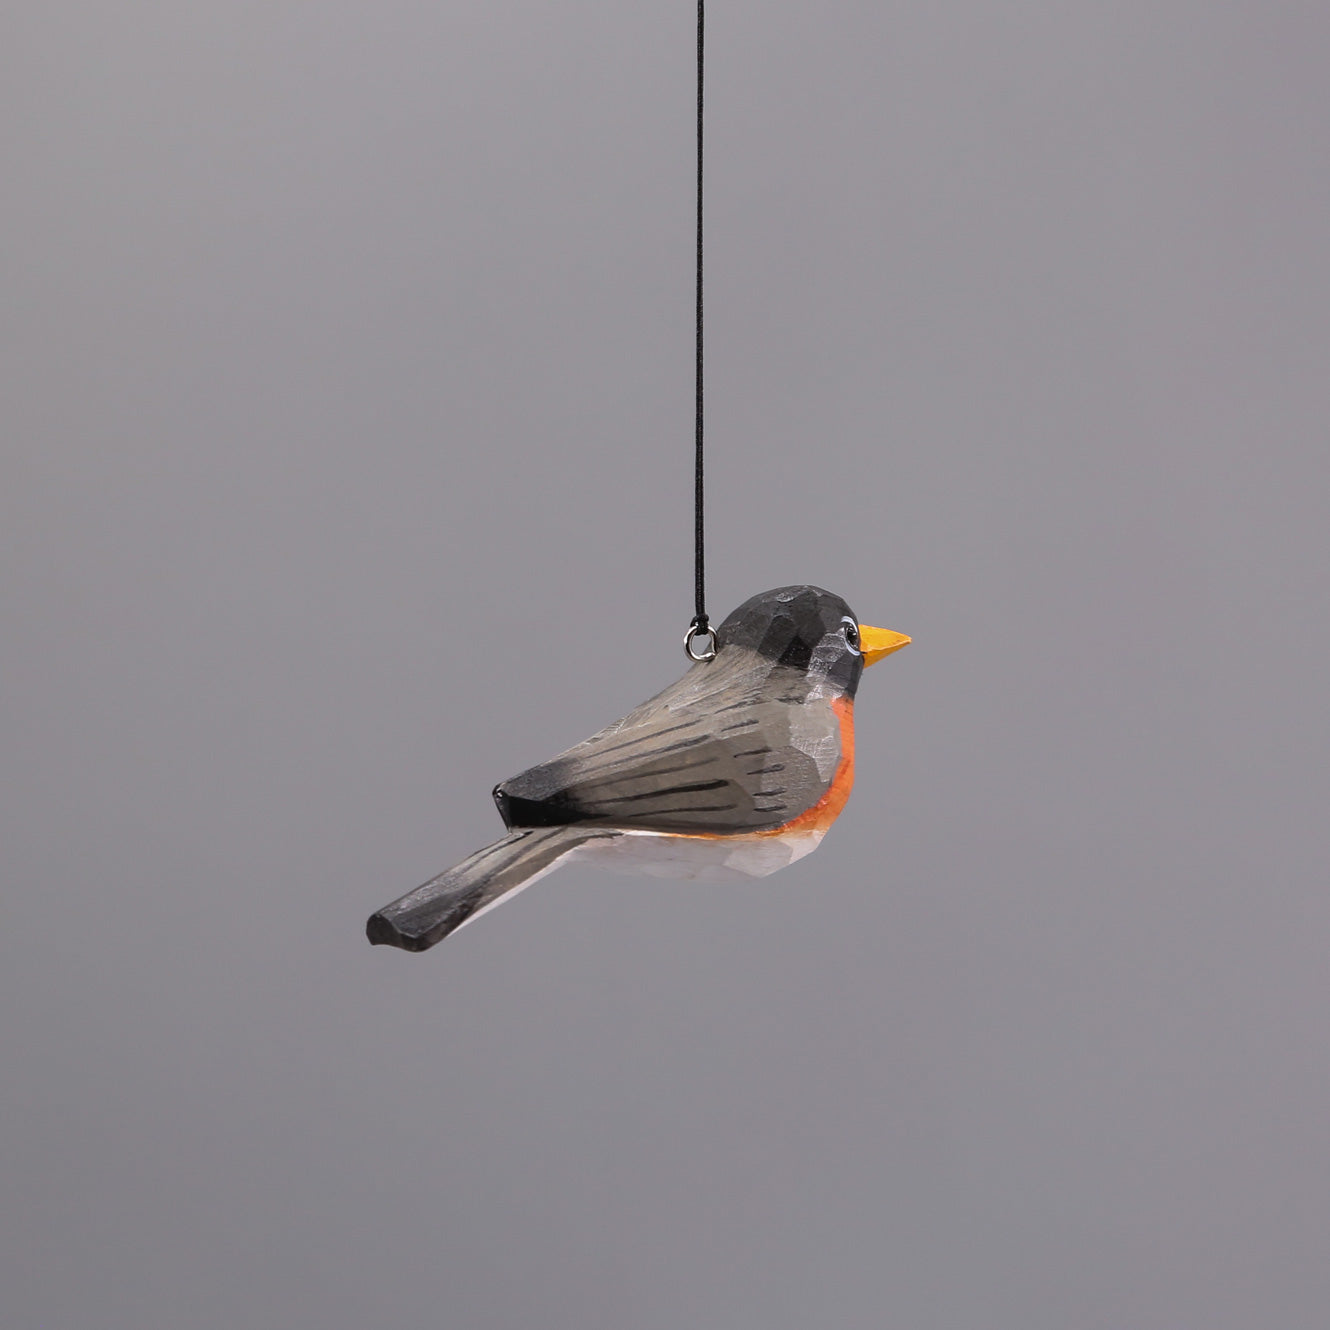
{"points": [[347, 420]]}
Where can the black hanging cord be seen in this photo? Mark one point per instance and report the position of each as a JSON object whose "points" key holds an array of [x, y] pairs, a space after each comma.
{"points": [[700, 624]]}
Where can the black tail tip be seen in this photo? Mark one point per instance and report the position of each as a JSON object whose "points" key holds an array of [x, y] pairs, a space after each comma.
{"points": [[382, 932]]}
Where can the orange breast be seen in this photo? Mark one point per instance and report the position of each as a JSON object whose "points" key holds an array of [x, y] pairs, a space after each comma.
{"points": [[828, 808]]}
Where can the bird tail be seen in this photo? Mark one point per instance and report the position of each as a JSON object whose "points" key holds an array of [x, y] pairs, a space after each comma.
{"points": [[428, 914]]}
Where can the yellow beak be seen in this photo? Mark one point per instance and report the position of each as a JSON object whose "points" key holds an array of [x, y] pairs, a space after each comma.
{"points": [[878, 642]]}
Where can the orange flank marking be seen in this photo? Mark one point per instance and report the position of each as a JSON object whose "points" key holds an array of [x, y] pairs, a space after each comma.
{"points": [[828, 808]]}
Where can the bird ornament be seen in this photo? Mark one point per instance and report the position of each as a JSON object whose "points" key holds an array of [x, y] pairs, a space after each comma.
{"points": [[734, 771]]}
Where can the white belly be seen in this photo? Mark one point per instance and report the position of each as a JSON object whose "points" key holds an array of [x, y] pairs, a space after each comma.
{"points": [[701, 858]]}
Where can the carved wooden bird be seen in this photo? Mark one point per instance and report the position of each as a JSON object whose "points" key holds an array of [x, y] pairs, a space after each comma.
{"points": [[736, 770]]}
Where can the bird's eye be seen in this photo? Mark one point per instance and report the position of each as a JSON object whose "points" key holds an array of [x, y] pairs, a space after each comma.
{"points": [[851, 631]]}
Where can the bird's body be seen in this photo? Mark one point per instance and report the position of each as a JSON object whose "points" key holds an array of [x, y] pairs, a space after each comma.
{"points": [[736, 770]]}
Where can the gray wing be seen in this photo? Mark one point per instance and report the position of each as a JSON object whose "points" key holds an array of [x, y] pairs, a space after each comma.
{"points": [[728, 748]]}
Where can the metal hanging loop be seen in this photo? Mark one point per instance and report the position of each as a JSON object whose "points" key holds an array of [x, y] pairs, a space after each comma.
{"points": [[691, 636]]}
